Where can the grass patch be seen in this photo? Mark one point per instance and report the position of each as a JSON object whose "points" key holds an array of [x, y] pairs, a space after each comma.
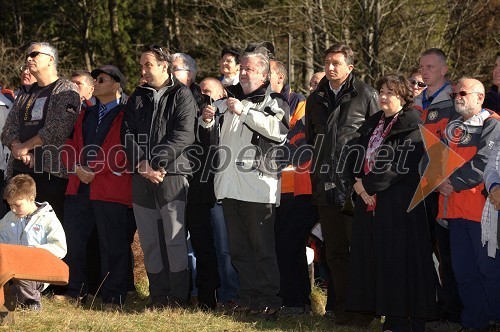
{"points": [[56, 316]]}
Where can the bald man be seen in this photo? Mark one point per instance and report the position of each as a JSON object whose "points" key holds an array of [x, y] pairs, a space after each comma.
{"points": [[461, 204], [315, 79], [212, 87]]}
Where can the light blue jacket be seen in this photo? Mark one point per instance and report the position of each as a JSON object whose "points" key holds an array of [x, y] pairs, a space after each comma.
{"points": [[41, 229]]}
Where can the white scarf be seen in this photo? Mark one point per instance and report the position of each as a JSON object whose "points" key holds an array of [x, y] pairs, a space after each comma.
{"points": [[489, 221]]}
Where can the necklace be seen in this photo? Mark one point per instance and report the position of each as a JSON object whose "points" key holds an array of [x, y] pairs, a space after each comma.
{"points": [[30, 101]]}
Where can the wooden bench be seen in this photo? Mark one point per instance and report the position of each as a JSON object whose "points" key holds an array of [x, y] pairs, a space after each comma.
{"points": [[26, 263]]}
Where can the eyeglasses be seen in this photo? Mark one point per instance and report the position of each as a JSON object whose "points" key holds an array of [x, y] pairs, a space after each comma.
{"points": [[462, 93], [181, 69], [24, 68], [420, 84], [34, 54], [101, 80]]}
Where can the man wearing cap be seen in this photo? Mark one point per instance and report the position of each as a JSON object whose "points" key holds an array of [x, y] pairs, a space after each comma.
{"points": [[39, 124], [99, 192]]}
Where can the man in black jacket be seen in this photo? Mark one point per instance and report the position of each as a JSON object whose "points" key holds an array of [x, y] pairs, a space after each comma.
{"points": [[157, 127], [334, 112]]}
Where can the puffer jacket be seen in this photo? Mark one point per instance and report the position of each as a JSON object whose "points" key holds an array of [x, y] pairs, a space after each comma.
{"points": [[42, 229], [331, 126]]}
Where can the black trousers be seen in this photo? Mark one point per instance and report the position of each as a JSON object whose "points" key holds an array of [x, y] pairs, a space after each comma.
{"points": [[250, 228], [111, 221], [199, 225], [337, 230], [295, 218]]}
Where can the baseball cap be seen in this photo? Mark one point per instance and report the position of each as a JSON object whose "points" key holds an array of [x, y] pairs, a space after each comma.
{"points": [[113, 72]]}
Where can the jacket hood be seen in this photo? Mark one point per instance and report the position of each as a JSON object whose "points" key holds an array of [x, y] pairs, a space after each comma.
{"points": [[43, 208]]}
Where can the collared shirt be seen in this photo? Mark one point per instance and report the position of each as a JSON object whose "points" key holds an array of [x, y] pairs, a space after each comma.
{"points": [[336, 91], [111, 105]]}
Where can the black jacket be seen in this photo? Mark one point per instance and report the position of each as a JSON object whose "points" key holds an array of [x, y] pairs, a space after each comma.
{"points": [[403, 150], [160, 132], [331, 125]]}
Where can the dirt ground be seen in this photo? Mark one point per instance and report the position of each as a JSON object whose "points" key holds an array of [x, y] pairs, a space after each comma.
{"points": [[139, 270]]}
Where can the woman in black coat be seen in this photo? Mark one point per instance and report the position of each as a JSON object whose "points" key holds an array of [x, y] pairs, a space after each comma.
{"points": [[391, 269]]}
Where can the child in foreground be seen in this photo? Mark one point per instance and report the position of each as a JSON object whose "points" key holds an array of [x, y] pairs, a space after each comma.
{"points": [[31, 224]]}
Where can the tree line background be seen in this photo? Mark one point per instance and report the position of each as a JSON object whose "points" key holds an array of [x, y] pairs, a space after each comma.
{"points": [[386, 35]]}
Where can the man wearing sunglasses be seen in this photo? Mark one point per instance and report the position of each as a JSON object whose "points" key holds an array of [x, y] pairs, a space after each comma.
{"points": [[39, 124], [461, 201], [99, 191], [436, 107]]}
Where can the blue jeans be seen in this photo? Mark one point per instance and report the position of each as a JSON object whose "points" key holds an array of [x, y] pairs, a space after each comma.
{"points": [[228, 276]]}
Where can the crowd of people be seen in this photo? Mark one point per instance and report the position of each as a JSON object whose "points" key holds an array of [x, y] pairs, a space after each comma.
{"points": [[247, 167]]}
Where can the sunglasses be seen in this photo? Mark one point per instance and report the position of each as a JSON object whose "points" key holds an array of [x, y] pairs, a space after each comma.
{"points": [[158, 50], [101, 80], [420, 84], [34, 54], [462, 94]]}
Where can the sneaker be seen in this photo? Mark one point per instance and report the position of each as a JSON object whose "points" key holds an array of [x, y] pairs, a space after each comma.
{"points": [[441, 325]]}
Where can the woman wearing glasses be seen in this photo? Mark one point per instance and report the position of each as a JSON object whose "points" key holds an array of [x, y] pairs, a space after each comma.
{"points": [[391, 271], [416, 82]]}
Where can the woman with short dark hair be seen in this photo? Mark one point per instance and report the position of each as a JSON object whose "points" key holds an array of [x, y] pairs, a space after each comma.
{"points": [[391, 271]]}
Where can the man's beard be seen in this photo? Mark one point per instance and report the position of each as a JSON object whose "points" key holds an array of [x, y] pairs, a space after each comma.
{"points": [[464, 110]]}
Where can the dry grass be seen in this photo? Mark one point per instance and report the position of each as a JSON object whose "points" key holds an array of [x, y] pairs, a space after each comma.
{"points": [[62, 317]]}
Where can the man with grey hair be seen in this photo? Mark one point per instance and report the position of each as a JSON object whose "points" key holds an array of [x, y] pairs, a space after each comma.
{"points": [[255, 123], [184, 68], [38, 125], [461, 201]]}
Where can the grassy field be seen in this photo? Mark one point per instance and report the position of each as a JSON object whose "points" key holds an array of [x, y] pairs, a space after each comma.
{"points": [[56, 316], [63, 317]]}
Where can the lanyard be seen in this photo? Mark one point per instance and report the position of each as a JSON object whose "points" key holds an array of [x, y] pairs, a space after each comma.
{"points": [[426, 102]]}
